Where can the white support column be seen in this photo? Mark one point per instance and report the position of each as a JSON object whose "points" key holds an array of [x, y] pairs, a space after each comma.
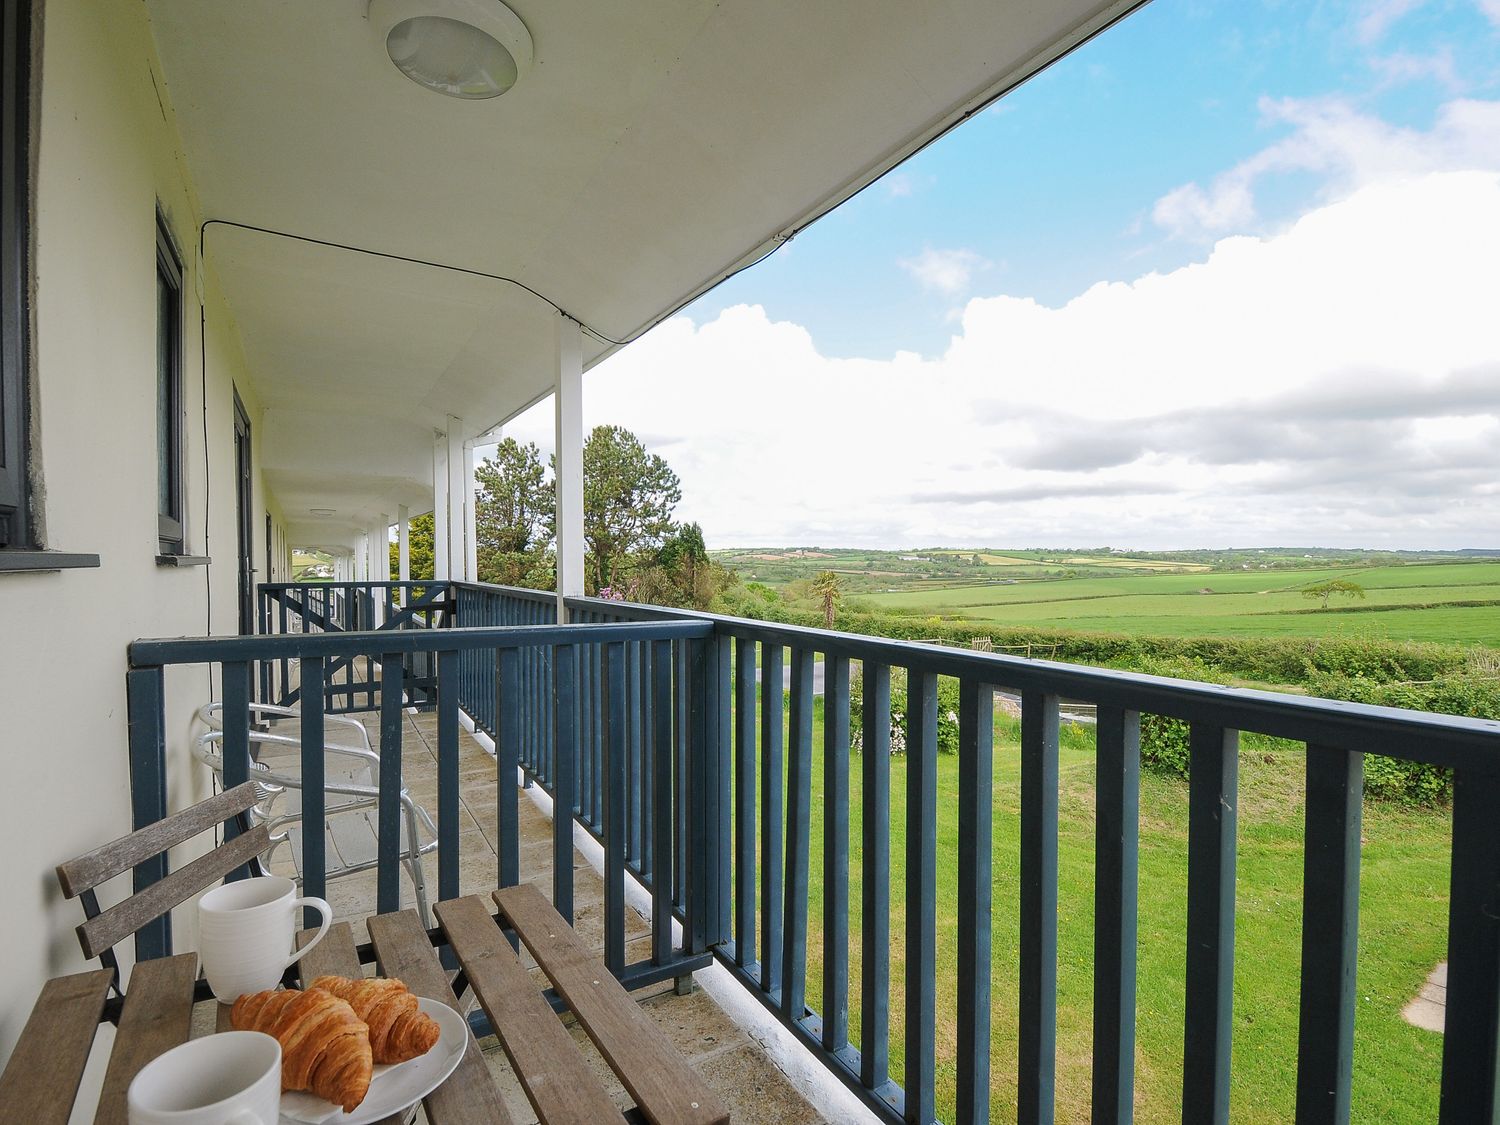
{"points": [[440, 507], [568, 410], [403, 548], [378, 542], [456, 477], [471, 515]]}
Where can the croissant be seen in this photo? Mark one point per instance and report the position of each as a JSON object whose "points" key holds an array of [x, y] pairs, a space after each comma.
{"points": [[398, 1029], [325, 1047]]}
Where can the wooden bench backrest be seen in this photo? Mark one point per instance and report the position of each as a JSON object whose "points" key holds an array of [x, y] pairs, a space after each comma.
{"points": [[81, 876]]}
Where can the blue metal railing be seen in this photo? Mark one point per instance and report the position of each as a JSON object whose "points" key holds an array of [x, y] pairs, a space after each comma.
{"points": [[351, 684], [506, 650], [736, 761], [759, 926]]}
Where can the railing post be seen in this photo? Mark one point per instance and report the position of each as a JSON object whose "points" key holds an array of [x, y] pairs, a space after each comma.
{"points": [[450, 809], [721, 759], [392, 715], [699, 826], [236, 746], [1039, 779], [921, 894], [798, 841], [1208, 1026], [146, 719], [314, 798], [507, 750], [1330, 931], [772, 740], [1116, 888], [875, 877], [835, 852], [616, 754], [661, 782], [744, 802], [1469, 1091], [976, 803], [565, 776]]}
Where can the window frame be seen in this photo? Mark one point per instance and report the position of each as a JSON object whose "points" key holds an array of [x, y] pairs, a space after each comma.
{"points": [[170, 524], [17, 528]]}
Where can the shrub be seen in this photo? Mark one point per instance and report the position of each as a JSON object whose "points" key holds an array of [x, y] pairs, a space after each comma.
{"points": [[1164, 745], [947, 708], [1416, 783], [1164, 740]]}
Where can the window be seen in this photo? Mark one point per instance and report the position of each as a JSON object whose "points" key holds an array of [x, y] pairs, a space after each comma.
{"points": [[168, 393], [15, 226]]}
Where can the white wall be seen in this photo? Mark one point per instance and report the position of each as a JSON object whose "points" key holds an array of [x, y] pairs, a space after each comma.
{"points": [[106, 153]]}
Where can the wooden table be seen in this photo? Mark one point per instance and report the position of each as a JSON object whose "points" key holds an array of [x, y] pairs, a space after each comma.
{"points": [[41, 1080]]}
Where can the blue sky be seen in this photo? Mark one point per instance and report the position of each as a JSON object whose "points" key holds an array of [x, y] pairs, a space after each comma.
{"points": [[1226, 276], [1053, 188]]}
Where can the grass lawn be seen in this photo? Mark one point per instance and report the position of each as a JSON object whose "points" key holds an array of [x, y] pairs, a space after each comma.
{"points": [[1403, 919]]}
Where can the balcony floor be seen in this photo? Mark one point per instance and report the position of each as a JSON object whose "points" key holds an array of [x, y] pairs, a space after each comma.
{"points": [[729, 1059]]}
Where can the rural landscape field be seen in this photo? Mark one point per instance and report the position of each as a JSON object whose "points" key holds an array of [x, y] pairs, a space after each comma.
{"points": [[1447, 598], [1410, 629]]}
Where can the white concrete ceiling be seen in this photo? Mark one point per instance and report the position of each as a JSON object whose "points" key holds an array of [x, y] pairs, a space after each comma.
{"points": [[655, 146]]}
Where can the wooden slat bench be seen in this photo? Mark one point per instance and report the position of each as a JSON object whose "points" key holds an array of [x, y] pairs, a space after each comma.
{"points": [[558, 1081], [664, 1087]]}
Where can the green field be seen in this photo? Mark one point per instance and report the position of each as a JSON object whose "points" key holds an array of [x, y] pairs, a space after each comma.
{"points": [[1453, 602]]}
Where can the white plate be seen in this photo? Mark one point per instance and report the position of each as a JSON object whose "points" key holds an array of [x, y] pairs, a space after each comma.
{"points": [[393, 1088]]}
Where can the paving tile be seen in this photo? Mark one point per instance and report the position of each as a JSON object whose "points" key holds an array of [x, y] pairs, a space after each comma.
{"points": [[753, 1089], [1429, 1008]]}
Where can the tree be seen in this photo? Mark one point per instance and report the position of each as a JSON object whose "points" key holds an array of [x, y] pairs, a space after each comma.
{"points": [[419, 549], [681, 573], [628, 499], [514, 516], [826, 587], [1336, 586]]}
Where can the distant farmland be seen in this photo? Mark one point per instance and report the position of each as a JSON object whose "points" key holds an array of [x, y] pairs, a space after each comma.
{"points": [[1456, 602], [1417, 597]]}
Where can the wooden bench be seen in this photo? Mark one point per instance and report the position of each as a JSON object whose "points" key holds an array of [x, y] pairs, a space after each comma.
{"points": [[559, 1083]]}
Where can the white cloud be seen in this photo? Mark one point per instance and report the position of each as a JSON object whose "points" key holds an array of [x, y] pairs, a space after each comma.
{"points": [[945, 271], [1343, 146], [1402, 67], [1336, 383], [1491, 10], [1380, 15]]}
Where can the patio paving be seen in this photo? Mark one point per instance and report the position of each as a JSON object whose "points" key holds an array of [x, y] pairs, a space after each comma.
{"points": [[730, 1060], [1429, 1008]]}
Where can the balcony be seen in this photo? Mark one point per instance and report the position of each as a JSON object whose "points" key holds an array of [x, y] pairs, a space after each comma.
{"points": [[773, 858]]}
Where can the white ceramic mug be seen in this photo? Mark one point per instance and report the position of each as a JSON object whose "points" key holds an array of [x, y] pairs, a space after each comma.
{"points": [[233, 1078], [245, 934]]}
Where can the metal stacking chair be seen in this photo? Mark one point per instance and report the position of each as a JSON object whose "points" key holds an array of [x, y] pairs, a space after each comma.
{"points": [[351, 797]]}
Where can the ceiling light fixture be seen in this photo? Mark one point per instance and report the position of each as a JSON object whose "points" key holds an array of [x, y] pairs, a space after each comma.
{"points": [[470, 49], [323, 513]]}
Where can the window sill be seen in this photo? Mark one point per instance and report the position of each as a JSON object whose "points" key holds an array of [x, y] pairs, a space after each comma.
{"points": [[182, 560], [13, 560]]}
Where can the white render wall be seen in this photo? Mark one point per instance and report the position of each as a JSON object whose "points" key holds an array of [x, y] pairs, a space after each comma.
{"points": [[106, 153]]}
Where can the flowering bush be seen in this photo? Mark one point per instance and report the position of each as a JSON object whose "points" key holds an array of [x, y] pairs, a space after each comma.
{"points": [[947, 717]]}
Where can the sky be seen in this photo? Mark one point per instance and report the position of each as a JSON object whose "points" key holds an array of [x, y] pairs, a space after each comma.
{"points": [[1228, 275]]}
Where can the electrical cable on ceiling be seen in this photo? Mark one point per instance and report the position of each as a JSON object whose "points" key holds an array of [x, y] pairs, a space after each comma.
{"points": [[594, 332], [411, 261]]}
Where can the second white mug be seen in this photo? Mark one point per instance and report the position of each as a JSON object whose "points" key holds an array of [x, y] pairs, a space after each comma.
{"points": [[245, 934], [233, 1078]]}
